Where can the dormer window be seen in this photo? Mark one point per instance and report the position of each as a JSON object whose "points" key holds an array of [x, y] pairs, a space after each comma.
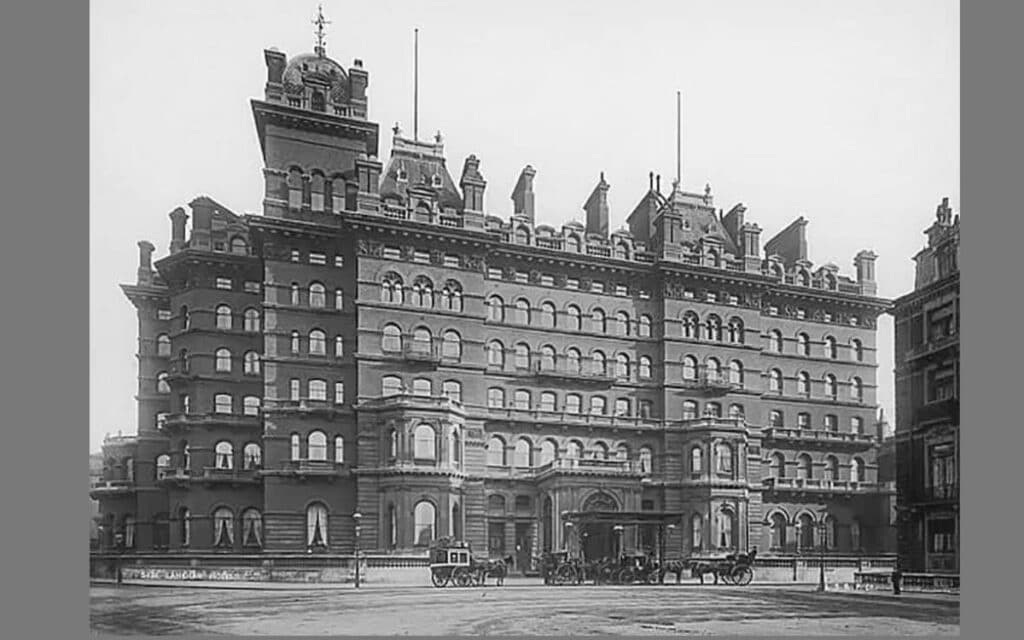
{"points": [[319, 104], [403, 175], [436, 180]]}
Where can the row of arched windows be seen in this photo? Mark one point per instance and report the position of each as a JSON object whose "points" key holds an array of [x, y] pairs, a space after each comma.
{"points": [[572, 361], [316, 296], [805, 467], [224, 457], [712, 371], [223, 528], [393, 386], [725, 528], [572, 403], [805, 347], [316, 344], [420, 340], [224, 319], [316, 448], [724, 459], [776, 385], [712, 328], [805, 528], [830, 422], [526, 455], [336, 192], [425, 444], [571, 318], [711, 410], [421, 293], [316, 389]]}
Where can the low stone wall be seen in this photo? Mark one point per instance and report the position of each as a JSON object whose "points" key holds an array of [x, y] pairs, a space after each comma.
{"points": [[927, 582]]}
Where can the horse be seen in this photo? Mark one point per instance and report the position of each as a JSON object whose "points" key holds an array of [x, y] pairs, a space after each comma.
{"points": [[678, 567], [492, 568]]}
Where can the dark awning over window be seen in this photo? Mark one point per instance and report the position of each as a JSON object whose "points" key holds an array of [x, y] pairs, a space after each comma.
{"points": [[624, 517]]}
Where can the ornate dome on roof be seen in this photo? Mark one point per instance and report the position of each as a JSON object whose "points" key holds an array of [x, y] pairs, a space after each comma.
{"points": [[313, 68]]}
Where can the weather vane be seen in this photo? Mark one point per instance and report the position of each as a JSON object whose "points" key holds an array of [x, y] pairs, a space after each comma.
{"points": [[320, 23]]}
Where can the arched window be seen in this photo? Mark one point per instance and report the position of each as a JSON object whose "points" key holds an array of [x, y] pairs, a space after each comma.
{"points": [[775, 341], [547, 358], [856, 470], [317, 389], [424, 516], [391, 289], [252, 528], [723, 458], [778, 465], [736, 335], [163, 345], [775, 381], [856, 390], [392, 444], [547, 315], [622, 366], [778, 524], [725, 529], [622, 451], [600, 451], [599, 363], [575, 317], [736, 373], [830, 532], [295, 343], [452, 389], [316, 525], [252, 320], [316, 182], [689, 368], [805, 466], [803, 383], [572, 403], [644, 326], [251, 405], [185, 317], [775, 418], [622, 323], [713, 409], [423, 443], [856, 350], [644, 369], [455, 445], [451, 296], [317, 295], [496, 452], [855, 535], [572, 360], [803, 344], [696, 532], [646, 458], [391, 340], [830, 282], [521, 400], [832, 468], [831, 390], [317, 343], [574, 450], [422, 387], [805, 532], [339, 449], [251, 363], [803, 420], [222, 403], [689, 410], [803, 278], [423, 292], [316, 446], [390, 386], [223, 316], [736, 411], [496, 398], [572, 244], [714, 328], [162, 386], [547, 401], [522, 356], [621, 251], [252, 456], [713, 370], [830, 347], [857, 425], [495, 309], [523, 454], [548, 452], [339, 346], [696, 461], [597, 321], [295, 294], [522, 311], [598, 405], [223, 527], [691, 325], [495, 354], [522, 235], [224, 453], [295, 453], [451, 345]]}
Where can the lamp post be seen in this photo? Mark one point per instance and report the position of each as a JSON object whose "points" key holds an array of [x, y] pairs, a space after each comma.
{"points": [[618, 529], [357, 517], [567, 534]]}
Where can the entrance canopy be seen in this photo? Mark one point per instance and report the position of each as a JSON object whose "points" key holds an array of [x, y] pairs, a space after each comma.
{"points": [[623, 517]]}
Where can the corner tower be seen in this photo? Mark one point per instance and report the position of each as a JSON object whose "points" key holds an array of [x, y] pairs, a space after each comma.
{"points": [[313, 129]]}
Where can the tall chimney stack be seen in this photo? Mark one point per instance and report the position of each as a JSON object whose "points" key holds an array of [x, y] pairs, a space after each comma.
{"points": [[522, 194]]}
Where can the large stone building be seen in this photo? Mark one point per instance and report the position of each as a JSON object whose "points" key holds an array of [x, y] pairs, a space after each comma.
{"points": [[928, 404], [376, 342]]}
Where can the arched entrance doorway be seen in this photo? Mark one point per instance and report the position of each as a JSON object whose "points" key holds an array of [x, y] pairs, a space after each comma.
{"points": [[598, 538]]}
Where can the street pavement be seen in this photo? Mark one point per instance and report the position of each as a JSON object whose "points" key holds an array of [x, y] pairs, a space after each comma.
{"points": [[520, 607]]}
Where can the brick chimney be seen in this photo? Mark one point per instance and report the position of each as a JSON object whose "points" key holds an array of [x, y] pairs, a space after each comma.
{"points": [[864, 261], [522, 195], [596, 207], [202, 224], [276, 62], [472, 185], [178, 220], [145, 273]]}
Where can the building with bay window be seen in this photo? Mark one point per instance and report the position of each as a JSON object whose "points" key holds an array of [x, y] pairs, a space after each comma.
{"points": [[374, 341]]}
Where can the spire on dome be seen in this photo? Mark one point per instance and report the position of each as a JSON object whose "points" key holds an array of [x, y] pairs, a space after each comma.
{"points": [[320, 21]]}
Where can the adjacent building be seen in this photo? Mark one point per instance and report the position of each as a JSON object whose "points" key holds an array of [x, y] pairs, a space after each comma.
{"points": [[928, 404], [377, 343]]}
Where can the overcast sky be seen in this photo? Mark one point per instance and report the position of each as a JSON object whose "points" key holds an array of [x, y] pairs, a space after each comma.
{"points": [[845, 113]]}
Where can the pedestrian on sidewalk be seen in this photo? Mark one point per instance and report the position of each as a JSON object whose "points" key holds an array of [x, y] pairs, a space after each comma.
{"points": [[897, 577]]}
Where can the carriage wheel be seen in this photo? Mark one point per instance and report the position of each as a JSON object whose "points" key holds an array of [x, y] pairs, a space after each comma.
{"points": [[463, 578], [725, 577], [563, 575], [440, 578], [742, 575], [654, 577]]}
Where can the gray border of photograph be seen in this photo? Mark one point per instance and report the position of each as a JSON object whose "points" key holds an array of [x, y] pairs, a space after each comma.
{"points": [[46, 243]]}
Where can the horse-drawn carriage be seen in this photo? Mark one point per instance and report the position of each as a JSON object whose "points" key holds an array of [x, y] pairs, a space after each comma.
{"points": [[452, 563], [734, 569], [559, 568]]}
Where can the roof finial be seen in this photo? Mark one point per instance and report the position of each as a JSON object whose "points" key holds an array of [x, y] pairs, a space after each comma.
{"points": [[437, 137], [320, 23], [397, 130]]}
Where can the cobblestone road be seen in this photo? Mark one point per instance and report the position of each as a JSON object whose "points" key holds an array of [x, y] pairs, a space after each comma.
{"points": [[655, 610]]}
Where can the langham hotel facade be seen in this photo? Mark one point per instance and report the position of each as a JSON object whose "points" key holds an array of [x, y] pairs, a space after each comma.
{"points": [[376, 342]]}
